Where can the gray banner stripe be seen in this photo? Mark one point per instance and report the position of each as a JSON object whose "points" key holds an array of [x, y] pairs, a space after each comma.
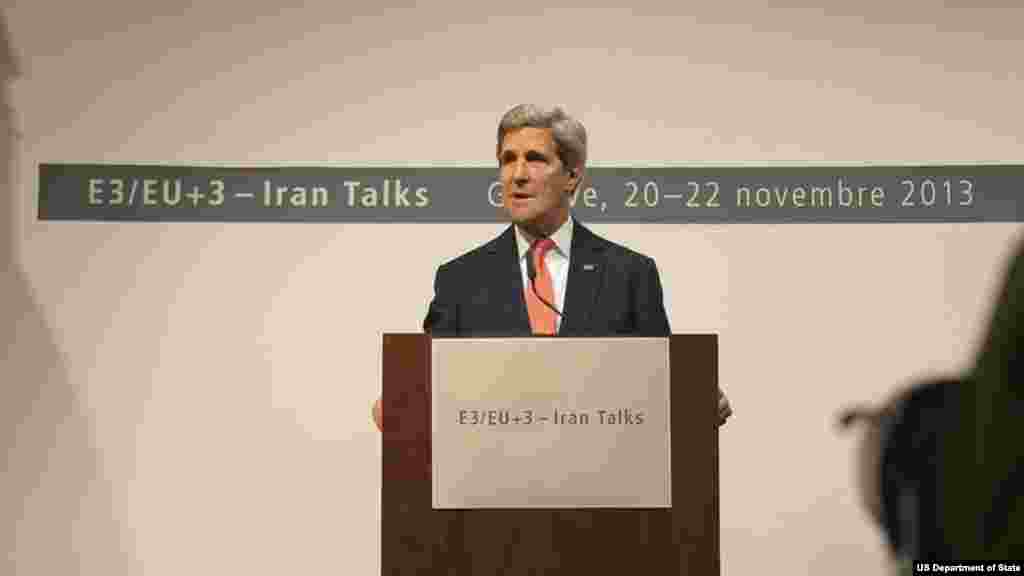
{"points": [[150, 193]]}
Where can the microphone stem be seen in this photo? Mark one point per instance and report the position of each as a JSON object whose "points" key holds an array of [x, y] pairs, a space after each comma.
{"points": [[545, 302], [531, 272]]}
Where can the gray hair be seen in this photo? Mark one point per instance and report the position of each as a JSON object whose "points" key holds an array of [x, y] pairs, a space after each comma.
{"points": [[568, 133]]}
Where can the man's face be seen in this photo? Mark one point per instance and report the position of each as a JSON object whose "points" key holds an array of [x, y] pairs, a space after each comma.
{"points": [[536, 184]]}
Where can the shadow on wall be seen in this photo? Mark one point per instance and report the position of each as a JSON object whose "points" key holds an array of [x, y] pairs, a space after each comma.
{"points": [[55, 505]]}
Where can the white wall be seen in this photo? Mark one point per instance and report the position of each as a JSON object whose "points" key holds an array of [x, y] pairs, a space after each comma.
{"points": [[194, 398]]}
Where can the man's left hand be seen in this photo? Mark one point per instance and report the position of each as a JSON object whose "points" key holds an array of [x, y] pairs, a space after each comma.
{"points": [[724, 410]]}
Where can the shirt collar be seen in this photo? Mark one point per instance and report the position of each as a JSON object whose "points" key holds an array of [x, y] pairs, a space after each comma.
{"points": [[562, 238]]}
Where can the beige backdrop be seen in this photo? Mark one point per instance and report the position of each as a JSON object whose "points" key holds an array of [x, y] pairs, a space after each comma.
{"points": [[194, 398]]}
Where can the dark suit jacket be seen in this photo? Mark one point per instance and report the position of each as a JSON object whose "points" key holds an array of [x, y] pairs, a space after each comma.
{"points": [[611, 291]]}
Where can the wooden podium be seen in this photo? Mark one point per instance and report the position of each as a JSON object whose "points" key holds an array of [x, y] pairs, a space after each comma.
{"points": [[419, 540]]}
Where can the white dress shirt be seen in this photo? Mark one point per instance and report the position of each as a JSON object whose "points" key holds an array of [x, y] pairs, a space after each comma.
{"points": [[556, 259]]}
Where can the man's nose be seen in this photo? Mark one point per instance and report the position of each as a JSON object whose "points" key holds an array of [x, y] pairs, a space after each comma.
{"points": [[520, 175]]}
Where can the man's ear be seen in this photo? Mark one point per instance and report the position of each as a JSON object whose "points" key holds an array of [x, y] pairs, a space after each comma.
{"points": [[575, 175]]}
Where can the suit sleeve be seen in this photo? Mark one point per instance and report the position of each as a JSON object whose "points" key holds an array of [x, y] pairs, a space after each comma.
{"points": [[442, 315], [650, 318]]}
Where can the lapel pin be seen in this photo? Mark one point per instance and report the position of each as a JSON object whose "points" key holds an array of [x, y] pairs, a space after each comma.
{"points": [[589, 267]]}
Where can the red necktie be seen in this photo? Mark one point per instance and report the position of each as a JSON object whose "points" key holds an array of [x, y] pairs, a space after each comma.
{"points": [[542, 318]]}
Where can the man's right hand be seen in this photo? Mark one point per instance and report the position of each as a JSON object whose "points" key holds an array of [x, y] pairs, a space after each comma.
{"points": [[378, 417]]}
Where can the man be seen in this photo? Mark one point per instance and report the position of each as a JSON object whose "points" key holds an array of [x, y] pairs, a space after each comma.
{"points": [[942, 467], [584, 285]]}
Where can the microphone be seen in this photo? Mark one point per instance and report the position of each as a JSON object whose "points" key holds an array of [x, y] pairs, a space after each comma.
{"points": [[531, 274]]}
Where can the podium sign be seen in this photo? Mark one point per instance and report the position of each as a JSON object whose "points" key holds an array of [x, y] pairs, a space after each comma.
{"points": [[551, 423]]}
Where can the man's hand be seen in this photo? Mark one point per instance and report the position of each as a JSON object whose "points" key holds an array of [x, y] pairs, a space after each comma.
{"points": [[724, 410], [378, 416]]}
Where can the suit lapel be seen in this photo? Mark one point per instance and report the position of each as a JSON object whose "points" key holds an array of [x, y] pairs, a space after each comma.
{"points": [[586, 272], [506, 284]]}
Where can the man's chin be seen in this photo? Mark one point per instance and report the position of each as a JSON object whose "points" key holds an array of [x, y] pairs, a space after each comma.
{"points": [[521, 218], [532, 222]]}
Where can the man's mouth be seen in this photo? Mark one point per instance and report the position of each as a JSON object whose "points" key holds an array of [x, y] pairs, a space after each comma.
{"points": [[521, 196]]}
